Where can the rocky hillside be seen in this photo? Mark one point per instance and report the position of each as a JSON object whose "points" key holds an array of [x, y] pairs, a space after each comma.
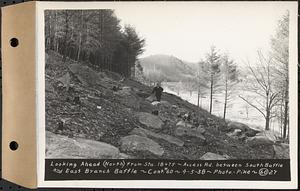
{"points": [[99, 115]]}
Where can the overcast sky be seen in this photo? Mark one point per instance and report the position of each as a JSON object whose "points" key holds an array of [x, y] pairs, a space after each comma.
{"points": [[187, 30]]}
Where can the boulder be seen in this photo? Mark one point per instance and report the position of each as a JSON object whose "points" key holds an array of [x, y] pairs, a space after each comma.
{"points": [[128, 97], [134, 143], [281, 151], [165, 103], [148, 133], [214, 156], [65, 80], [132, 102], [251, 132], [142, 94], [182, 131], [155, 103], [49, 88], [186, 129], [145, 106], [268, 134], [59, 146], [200, 129], [161, 103], [85, 75], [151, 98], [236, 125], [125, 156], [174, 107], [113, 75], [235, 133], [125, 91], [259, 140], [184, 124], [243, 127], [150, 120], [138, 131], [262, 138]]}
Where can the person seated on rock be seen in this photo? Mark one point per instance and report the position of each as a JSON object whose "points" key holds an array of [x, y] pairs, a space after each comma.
{"points": [[157, 90]]}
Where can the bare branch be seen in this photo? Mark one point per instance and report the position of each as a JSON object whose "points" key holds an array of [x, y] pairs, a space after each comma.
{"points": [[253, 106], [256, 78]]}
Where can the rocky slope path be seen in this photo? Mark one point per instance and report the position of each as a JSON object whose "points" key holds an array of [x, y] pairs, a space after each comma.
{"points": [[100, 115]]}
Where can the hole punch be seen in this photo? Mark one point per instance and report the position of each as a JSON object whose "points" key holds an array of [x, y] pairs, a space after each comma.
{"points": [[13, 145], [14, 42]]}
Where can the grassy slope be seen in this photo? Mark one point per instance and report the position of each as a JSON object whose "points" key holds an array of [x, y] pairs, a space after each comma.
{"points": [[115, 120]]}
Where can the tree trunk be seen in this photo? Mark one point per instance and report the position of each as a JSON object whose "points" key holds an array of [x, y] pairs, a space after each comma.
{"points": [[267, 126], [65, 47], [281, 118], [80, 38], [225, 101], [285, 120], [225, 107], [198, 101], [288, 131], [55, 43], [57, 47], [211, 92]]}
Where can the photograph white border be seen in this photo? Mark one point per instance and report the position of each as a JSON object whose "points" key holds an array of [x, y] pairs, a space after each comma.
{"points": [[40, 52]]}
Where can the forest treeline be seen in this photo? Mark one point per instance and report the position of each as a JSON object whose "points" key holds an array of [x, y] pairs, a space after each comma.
{"points": [[94, 37]]}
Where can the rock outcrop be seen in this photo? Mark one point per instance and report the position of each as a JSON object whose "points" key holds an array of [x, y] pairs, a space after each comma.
{"points": [[249, 132], [58, 146], [85, 75], [268, 134], [65, 80], [262, 138], [150, 120], [186, 129], [128, 97], [281, 151], [213, 156], [148, 133], [235, 134], [151, 98], [134, 143], [259, 140], [125, 91]]}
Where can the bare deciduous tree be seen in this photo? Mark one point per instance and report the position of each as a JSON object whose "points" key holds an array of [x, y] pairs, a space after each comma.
{"points": [[261, 83]]}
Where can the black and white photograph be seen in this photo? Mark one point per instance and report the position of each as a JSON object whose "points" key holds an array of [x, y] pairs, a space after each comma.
{"points": [[158, 82]]}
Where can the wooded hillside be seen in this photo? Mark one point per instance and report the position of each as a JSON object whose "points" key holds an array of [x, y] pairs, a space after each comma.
{"points": [[94, 37]]}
